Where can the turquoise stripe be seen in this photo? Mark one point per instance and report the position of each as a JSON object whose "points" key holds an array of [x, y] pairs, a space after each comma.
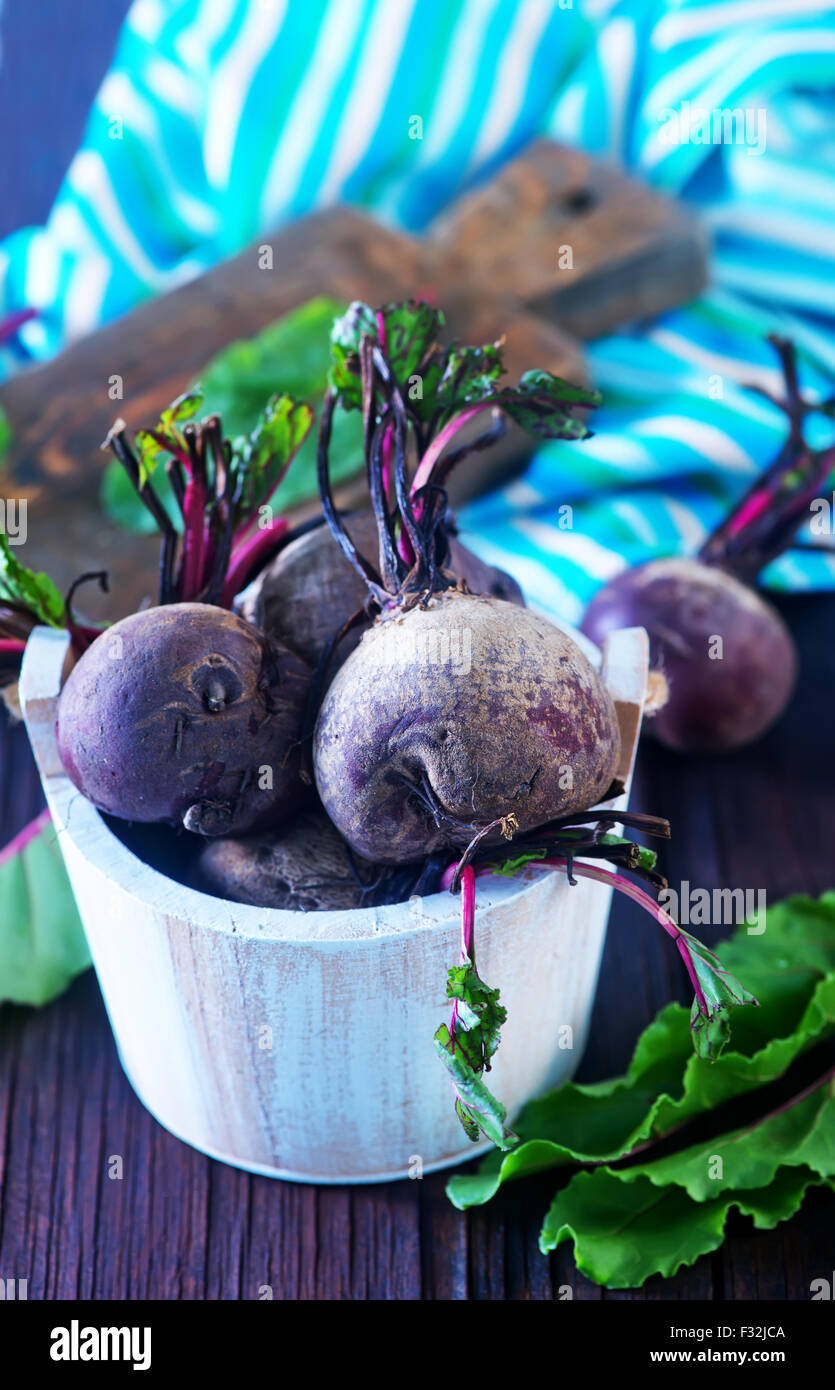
{"points": [[305, 196], [265, 109]]}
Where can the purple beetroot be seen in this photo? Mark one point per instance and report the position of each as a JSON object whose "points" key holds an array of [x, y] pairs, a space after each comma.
{"points": [[460, 713], [307, 592], [187, 714], [727, 656]]}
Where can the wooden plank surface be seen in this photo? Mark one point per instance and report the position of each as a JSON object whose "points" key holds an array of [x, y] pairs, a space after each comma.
{"points": [[178, 1225], [575, 240]]}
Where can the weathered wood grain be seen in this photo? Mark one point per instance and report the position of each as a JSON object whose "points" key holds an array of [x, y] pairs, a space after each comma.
{"points": [[576, 240]]}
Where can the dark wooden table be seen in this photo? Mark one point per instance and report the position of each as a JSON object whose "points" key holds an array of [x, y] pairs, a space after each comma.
{"points": [[180, 1226]]}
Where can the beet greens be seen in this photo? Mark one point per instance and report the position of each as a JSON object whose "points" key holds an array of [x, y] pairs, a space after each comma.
{"points": [[222, 490]]}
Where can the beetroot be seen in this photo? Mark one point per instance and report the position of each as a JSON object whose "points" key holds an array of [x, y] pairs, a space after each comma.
{"points": [[460, 713], [727, 656], [459, 718], [186, 713], [304, 866], [308, 592]]}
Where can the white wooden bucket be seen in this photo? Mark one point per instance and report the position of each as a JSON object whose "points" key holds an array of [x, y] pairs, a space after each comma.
{"points": [[299, 1045]]}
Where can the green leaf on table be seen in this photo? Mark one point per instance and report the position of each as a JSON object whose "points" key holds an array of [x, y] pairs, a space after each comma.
{"points": [[799, 1133], [42, 943], [654, 1217], [5, 434], [624, 1232], [791, 968], [35, 592], [290, 357]]}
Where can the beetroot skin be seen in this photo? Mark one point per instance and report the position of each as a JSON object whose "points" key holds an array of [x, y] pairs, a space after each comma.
{"points": [[185, 713], [715, 702], [452, 715], [305, 595]]}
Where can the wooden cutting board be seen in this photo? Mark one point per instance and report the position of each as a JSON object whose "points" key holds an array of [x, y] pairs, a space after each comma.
{"points": [[495, 262]]}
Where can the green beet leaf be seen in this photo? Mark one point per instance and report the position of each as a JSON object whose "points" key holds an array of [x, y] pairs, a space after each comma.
{"points": [[42, 944], [478, 1022], [480, 1015], [476, 1106], [34, 591], [265, 456], [5, 435], [540, 404], [791, 968], [799, 1133], [450, 378], [409, 330], [624, 1232]]}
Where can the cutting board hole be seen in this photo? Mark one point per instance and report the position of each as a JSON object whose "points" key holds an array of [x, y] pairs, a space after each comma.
{"points": [[581, 200]]}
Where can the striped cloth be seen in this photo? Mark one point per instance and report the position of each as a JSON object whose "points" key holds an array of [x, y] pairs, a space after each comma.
{"points": [[221, 118]]}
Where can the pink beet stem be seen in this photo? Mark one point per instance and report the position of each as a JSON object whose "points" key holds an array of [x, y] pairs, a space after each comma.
{"points": [[404, 545], [11, 644], [749, 511], [193, 530], [381, 328], [467, 914], [467, 929], [423, 472], [24, 836], [249, 555], [388, 440], [643, 900]]}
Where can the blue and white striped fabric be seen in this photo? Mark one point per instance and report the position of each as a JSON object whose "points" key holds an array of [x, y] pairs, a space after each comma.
{"points": [[222, 118]]}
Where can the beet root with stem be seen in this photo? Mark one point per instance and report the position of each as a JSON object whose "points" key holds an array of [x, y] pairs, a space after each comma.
{"points": [[186, 714], [307, 592], [456, 713], [727, 656]]}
